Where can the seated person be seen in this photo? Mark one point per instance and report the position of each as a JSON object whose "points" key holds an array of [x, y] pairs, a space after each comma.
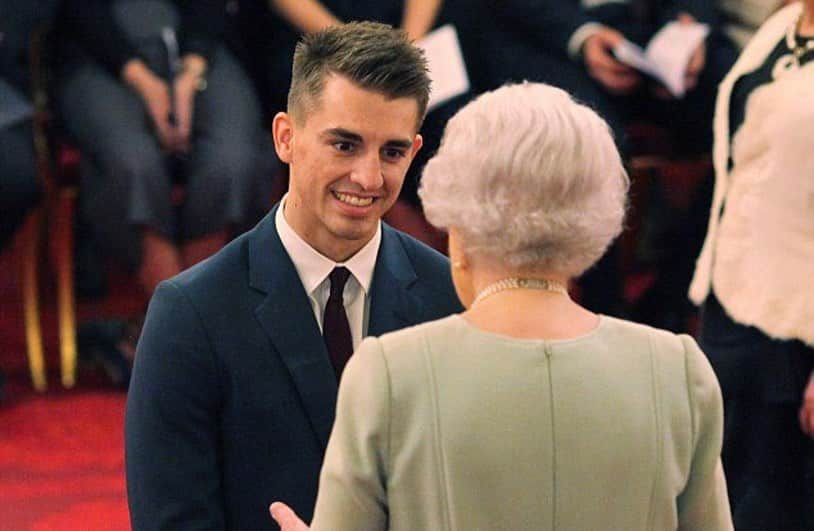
{"points": [[152, 95], [18, 175], [19, 189], [569, 44]]}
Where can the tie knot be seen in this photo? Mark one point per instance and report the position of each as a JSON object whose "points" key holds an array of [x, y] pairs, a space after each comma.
{"points": [[339, 276]]}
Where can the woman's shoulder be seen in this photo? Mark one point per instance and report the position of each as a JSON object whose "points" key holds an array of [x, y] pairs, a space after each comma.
{"points": [[665, 347], [623, 330], [410, 337]]}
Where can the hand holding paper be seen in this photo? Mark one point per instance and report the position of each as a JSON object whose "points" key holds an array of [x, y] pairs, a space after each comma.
{"points": [[597, 52], [673, 56]]}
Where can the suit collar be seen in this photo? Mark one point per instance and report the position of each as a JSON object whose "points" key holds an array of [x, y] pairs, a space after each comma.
{"points": [[286, 316], [392, 305]]}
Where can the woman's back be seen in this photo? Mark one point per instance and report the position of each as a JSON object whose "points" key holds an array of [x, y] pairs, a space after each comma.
{"points": [[444, 426]]}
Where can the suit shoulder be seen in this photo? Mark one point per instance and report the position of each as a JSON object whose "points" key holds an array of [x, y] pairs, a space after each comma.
{"points": [[423, 257], [214, 284], [230, 261]]}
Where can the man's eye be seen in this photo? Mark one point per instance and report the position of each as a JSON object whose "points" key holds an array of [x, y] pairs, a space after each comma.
{"points": [[343, 146], [393, 153]]}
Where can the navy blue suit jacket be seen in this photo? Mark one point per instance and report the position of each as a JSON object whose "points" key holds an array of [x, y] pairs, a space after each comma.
{"points": [[233, 395]]}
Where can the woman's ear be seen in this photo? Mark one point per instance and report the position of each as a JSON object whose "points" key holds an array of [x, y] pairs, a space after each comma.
{"points": [[457, 256]]}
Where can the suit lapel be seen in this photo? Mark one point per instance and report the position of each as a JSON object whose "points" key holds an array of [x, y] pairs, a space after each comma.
{"points": [[392, 306], [286, 316]]}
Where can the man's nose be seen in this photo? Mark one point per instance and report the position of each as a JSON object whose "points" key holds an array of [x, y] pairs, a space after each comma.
{"points": [[367, 172]]}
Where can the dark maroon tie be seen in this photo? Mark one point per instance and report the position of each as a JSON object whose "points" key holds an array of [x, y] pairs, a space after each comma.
{"points": [[335, 327]]}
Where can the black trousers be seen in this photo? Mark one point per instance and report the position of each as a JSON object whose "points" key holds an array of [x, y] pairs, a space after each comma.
{"points": [[18, 179], [766, 456]]}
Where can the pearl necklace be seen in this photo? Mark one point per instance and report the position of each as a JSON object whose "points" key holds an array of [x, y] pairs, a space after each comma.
{"points": [[520, 283], [791, 61]]}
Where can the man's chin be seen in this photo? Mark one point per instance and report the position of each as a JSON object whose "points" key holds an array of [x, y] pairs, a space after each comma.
{"points": [[359, 230]]}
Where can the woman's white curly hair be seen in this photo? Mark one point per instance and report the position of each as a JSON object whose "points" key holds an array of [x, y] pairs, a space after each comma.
{"points": [[530, 178]]}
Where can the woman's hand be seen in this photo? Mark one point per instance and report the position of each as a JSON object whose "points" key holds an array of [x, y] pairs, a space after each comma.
{"points": [[286, 518], [186, 85], [155, 93], [807, 409]]}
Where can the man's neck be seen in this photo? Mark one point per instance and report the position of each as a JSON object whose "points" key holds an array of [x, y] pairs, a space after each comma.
{"points": [[337, 249]]}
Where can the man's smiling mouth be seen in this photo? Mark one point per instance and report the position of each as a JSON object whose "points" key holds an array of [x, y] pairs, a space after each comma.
{"points": [[354, 200]]}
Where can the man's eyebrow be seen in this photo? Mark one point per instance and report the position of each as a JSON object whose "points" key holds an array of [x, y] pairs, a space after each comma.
{"points": [[402, 144], [344, 134]]}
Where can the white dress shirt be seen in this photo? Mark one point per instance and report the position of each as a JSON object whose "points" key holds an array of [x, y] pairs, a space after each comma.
{"points": [[314, 268]]}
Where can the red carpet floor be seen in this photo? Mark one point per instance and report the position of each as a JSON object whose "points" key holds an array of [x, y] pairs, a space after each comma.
{"points": [[61, 452]]}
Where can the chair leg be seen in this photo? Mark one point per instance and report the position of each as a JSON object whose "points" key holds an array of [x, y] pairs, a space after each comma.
{"points": [[66, 302], [29, 273]]}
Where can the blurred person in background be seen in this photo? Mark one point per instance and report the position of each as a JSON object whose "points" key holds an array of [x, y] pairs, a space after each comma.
{"points": [[154, 98], [754, 278], [19, 187], [527, 411]]}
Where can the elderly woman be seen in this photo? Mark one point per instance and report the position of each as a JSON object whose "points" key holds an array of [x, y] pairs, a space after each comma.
{"points": [[527, 411], [755, 275]]}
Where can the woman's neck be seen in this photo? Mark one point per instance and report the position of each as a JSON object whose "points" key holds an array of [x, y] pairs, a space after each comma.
{"points": [[531, 314]]}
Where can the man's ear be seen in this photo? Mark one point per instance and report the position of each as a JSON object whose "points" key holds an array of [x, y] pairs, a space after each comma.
{"points": [[417, 143], [282, 130]]}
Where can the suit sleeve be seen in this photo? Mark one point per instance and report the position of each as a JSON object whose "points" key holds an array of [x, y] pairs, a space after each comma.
{"points": [[548, 23], [202, 27], [92, 24], [704, 503], [352, 486], [171, 423], [702, 10]]}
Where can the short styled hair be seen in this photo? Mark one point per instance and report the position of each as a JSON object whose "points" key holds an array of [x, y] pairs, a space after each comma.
{"points": [[530, 178], [375, 56]]}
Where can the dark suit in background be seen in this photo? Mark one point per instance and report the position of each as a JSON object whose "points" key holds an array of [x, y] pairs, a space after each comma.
{"points": [[233, 394], [18, 180], [513, 40]]}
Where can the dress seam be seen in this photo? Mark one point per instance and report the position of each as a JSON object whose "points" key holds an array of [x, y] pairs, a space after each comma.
{"points": [[438, 446], [657, 411]]}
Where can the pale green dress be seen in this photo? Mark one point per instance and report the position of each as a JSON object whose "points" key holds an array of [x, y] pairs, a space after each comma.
{"points": [[443, 426]]}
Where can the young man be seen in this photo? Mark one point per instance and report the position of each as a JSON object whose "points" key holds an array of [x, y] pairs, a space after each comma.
{"points": [[234, 388]]}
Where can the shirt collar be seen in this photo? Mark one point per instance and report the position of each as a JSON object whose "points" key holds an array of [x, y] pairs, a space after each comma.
{"points": [[313, 267]]}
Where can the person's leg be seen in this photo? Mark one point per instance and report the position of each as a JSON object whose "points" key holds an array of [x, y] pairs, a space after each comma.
{"points": [[228, 177], [729, 348], [125, 189], [764, 452], [19, 190]]}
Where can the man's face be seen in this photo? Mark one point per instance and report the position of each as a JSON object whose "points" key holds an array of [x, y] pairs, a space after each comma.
{"points": [[348, 155]]}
